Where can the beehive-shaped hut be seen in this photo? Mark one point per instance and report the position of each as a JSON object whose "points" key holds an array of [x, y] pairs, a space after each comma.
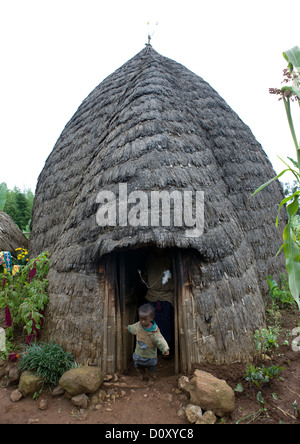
{"points": [[155, 126], [11, 237]]}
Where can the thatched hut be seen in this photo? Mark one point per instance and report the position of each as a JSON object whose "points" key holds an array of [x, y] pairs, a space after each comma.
{"points": [[155, 126], [11, 237]]}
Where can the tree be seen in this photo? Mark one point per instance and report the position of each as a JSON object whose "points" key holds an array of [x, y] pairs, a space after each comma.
{"points": [[19, 206], [3, 191]]}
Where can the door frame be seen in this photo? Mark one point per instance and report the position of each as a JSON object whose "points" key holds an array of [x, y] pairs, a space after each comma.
{"points": [[117, 345]]}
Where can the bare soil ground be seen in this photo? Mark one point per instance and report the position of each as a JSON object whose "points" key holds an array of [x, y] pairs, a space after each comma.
{"points": [[131, 401]]}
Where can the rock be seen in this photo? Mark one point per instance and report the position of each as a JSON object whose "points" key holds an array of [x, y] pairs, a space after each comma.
{"points": [[193, 413], [101, 395], [211, 393], [183, 382], [43, 404], [3, 368], [81, 380], [57, 391], [107, 378], [14, 376], [16, 395], [33, 421], [30, 383], [181, 413], [207, 418], [167, 397], [80, 401]]}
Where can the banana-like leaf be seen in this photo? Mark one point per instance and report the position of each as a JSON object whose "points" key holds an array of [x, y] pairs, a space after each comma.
{"points": [[292, 253], [284, 201], [3, 190], [292, 56]]}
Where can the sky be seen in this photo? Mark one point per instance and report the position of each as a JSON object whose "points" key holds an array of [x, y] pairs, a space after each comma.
{"points": [[55, 52]]}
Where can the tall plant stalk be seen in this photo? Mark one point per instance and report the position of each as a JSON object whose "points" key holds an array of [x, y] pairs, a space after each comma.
{"points": [[291, 248]]}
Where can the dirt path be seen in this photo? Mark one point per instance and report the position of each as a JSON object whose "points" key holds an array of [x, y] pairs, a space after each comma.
{"points": [[134, 402], [128, 401]]}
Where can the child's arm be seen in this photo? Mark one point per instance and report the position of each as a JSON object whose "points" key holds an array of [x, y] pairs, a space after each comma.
{"points": [[131, 328], [162, 344]]}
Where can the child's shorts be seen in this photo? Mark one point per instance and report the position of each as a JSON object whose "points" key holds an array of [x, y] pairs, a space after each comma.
{"points": [[150, 363]]}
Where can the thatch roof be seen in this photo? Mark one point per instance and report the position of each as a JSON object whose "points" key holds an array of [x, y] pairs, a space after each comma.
{"points": [[154, 125], [11, 237]]}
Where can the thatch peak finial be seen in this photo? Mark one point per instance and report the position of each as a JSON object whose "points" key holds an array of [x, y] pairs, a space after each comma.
{"points": [[149, 33]]}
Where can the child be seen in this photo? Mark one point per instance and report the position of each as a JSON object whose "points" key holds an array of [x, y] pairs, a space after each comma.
{"points": [[148, 339]]}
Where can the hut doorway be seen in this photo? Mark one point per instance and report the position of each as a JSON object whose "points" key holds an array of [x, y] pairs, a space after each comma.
{"points": [[127, 286]]}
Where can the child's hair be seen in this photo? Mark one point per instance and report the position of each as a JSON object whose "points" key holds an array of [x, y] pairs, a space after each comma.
{"points": [[146, 309]]}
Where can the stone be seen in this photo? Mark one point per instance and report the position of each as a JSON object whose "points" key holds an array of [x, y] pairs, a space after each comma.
{"points": [[80, 401], [81, 380], [211, 393], [33, 421], [207, 418], [14, 376], [107, 378], [181, 413], [43, 404], [183, 382], [16, 395], [193, 413], [57, 391], [30, 383], [3, 368]]}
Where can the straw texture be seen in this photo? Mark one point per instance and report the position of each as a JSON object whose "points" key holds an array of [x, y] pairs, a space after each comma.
{"points": [[155, 125]]}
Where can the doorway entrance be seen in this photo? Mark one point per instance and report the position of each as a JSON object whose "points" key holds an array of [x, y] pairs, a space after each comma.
{"points": [[126, 288]]}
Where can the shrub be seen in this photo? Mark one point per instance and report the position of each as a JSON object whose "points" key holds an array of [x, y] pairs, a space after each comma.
{"points": [[261, 375], [49, 361], [266, 339], [24, 295], [280, 296]]}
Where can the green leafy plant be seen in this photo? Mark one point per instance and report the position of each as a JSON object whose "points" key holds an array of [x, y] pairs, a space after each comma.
{"points": [[259, 376], [280, 296], [288, 94], [49, 361], [25, 294], [296, 228], [266, 339], [255, 415]]}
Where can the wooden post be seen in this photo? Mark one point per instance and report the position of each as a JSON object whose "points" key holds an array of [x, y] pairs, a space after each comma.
{"points": [[122, 290], [184, 350], [176, 348], [105, 315]]}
